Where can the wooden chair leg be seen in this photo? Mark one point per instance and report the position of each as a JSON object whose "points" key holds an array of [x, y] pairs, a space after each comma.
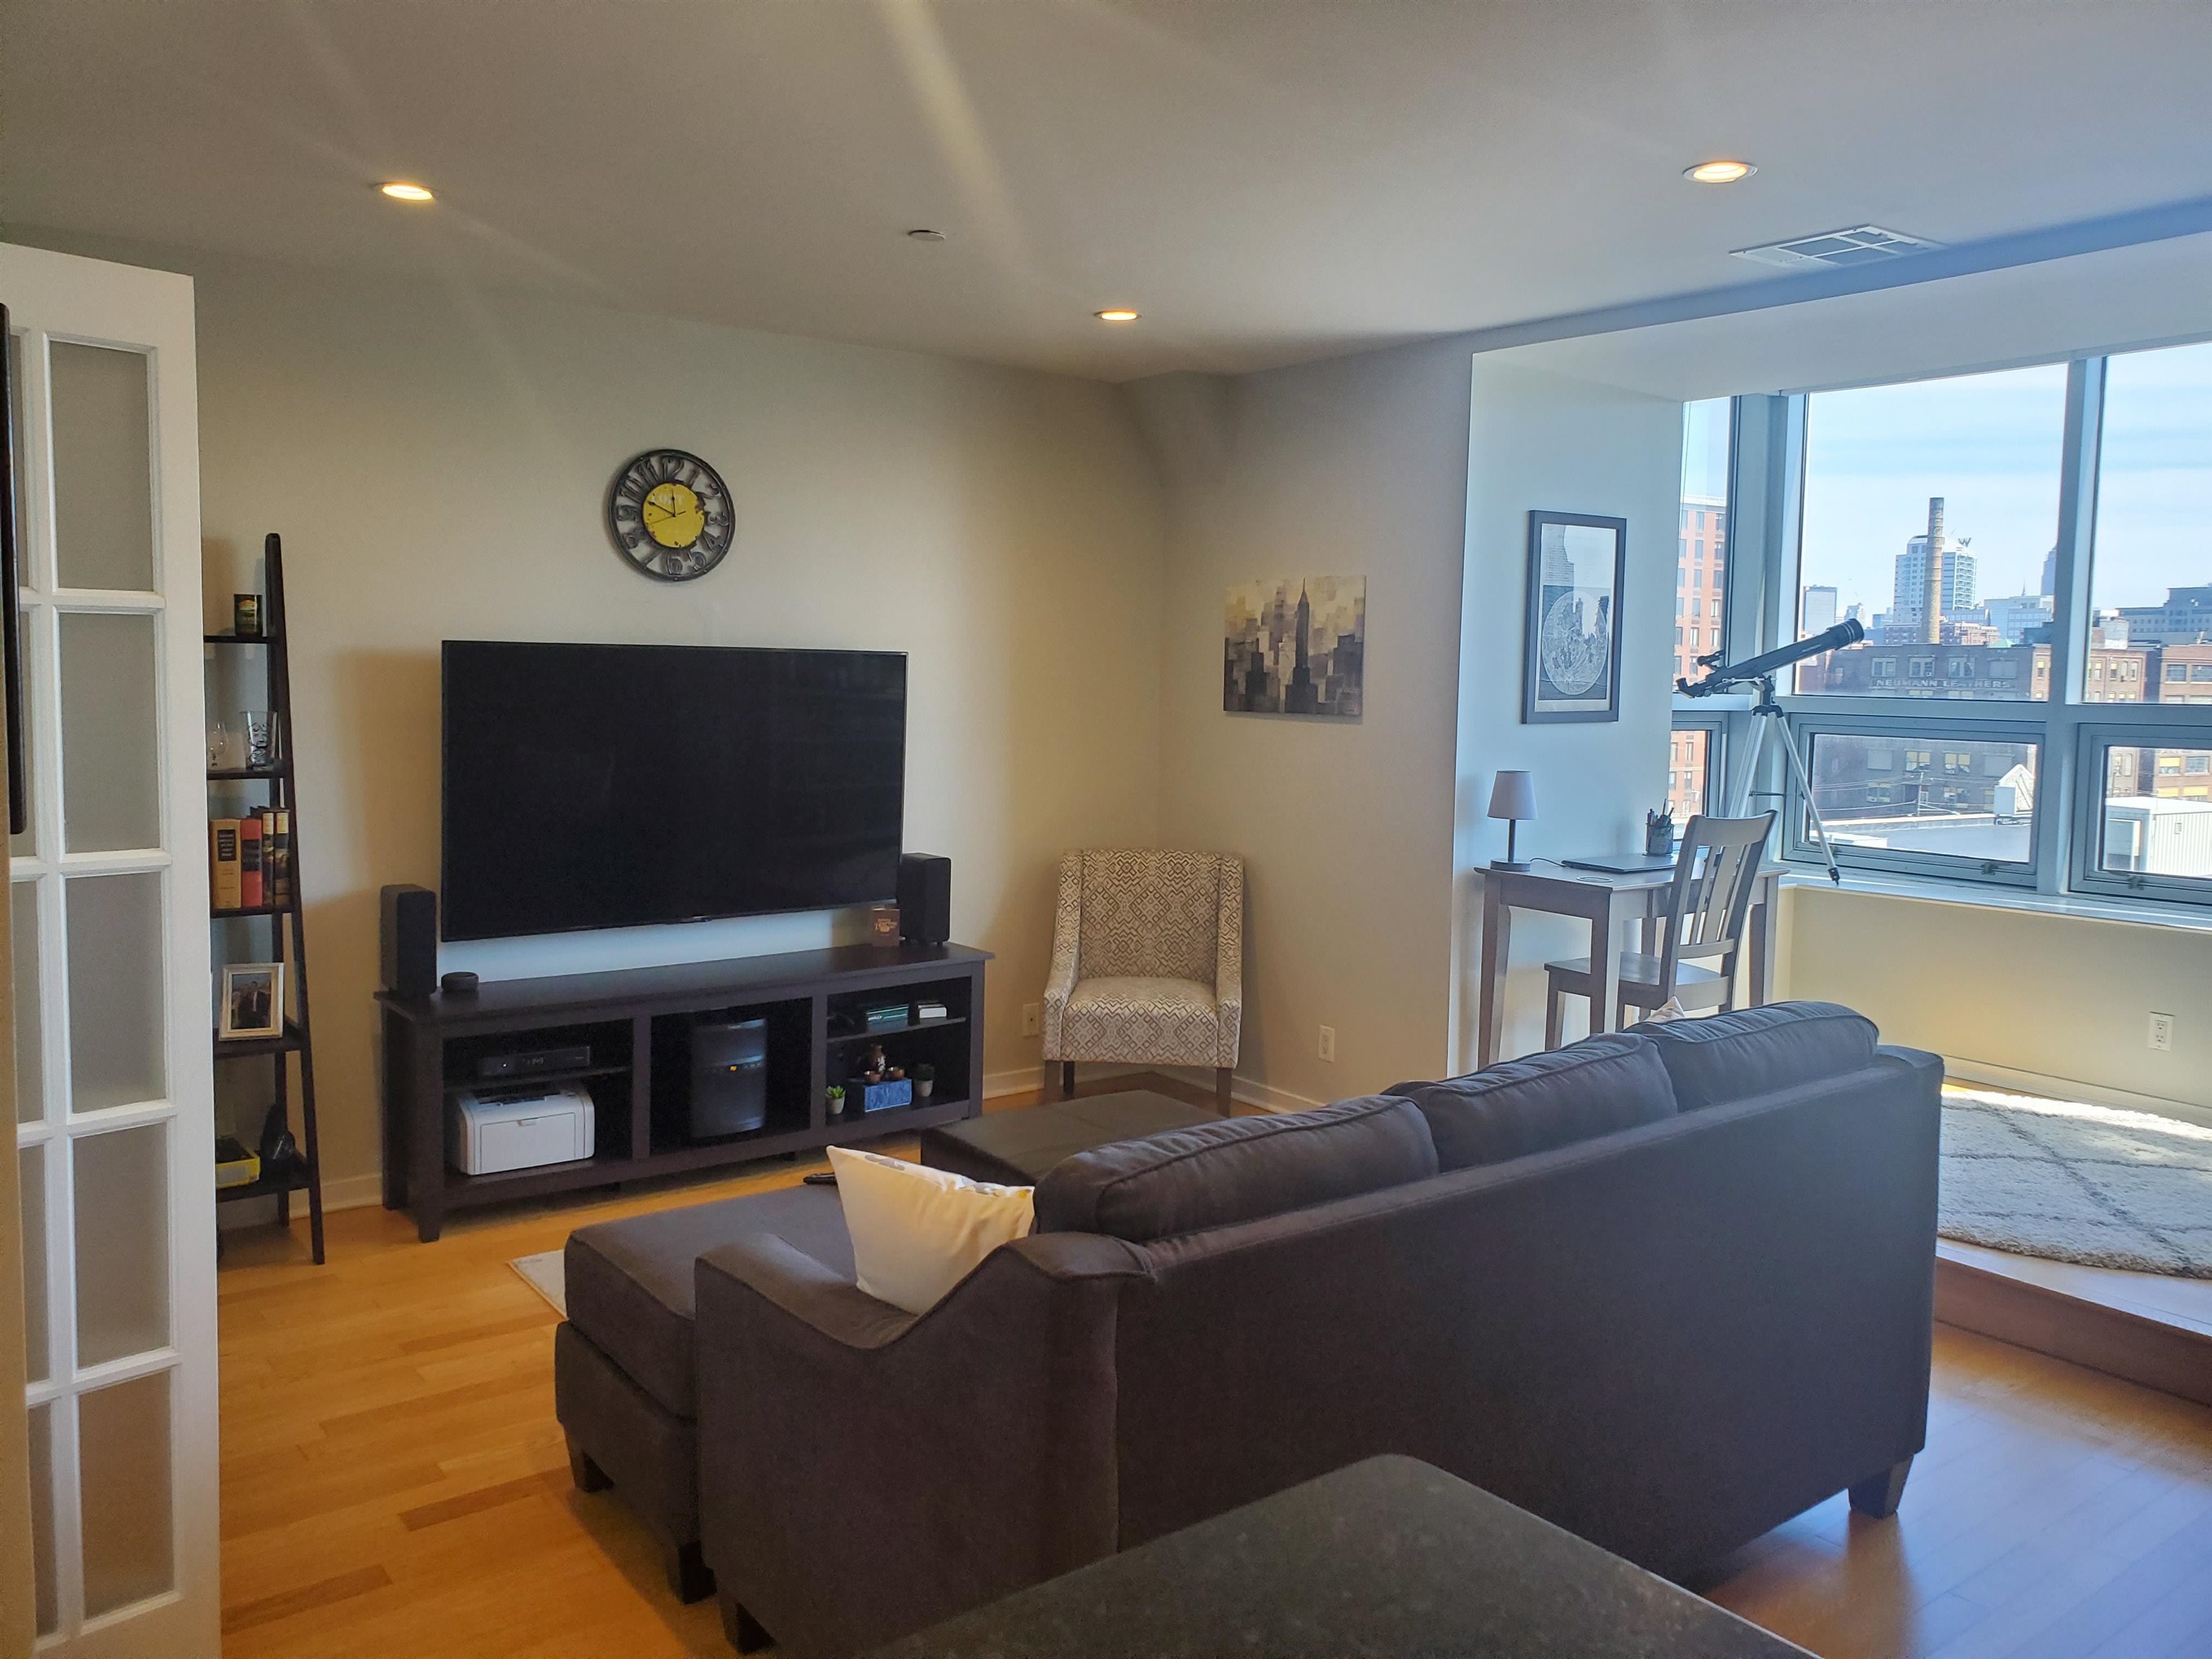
{"points": [[1878, 1496], [587, 1475], [743, 1631], [689, 1580], [1555, 1015], [1224, 1101], [1067, 1079]]}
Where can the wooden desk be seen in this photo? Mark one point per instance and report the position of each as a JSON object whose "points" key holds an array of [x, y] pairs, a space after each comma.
{"points": [[1603, 900]]}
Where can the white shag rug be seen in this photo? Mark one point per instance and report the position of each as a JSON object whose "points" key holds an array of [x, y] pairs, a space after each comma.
{"points": [[2074, 1183], [542, 1273]]}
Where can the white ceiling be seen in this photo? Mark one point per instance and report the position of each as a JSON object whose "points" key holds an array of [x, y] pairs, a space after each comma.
{"points": [[2152, 293], [1267, 182]]}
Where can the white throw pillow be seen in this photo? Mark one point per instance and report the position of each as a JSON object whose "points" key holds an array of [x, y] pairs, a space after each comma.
{"points": [[917, 1232]]}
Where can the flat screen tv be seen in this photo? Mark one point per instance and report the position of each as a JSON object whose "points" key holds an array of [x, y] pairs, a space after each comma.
{"points": [[614, 786]]}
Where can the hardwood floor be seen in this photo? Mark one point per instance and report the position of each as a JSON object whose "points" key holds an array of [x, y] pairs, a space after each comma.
{"points": [[393, 1482]]}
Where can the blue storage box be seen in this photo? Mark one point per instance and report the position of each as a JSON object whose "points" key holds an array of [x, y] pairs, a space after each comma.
{"points": [[881, 1096]]}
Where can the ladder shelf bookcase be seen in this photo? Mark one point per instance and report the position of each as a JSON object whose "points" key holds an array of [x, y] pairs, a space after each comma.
{"points": [[304, 1172]]}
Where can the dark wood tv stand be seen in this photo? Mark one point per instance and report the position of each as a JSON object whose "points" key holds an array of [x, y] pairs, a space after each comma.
{"points": [[633, 1020]]}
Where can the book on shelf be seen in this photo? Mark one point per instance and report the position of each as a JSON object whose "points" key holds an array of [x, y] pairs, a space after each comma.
{"points": [[224, 875], [249, 862], [276, 856]]}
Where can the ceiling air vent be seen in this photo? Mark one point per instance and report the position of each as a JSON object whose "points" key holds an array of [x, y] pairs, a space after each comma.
{"points": [[1862, 245]]}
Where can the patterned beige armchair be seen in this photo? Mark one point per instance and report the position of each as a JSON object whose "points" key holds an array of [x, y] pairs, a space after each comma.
{"points": [[1147, 963]]}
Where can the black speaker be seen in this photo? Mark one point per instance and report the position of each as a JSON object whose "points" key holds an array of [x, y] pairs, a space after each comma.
{"points": [[924, 899], [729, 1078], [410, 941]]}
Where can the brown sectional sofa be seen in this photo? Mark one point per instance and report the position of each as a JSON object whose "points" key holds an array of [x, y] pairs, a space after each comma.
{"points": [[1666, 1288]]}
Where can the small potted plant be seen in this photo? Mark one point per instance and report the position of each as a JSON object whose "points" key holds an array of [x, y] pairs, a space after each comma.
{"points": [[925, 1080], [834, 1098]]}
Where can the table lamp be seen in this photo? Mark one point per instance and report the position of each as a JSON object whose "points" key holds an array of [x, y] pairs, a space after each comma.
{"points": [[1512, 798]]}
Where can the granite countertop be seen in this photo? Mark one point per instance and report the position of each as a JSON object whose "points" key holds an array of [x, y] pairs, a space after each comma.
{"points": [[1389, 1557]]}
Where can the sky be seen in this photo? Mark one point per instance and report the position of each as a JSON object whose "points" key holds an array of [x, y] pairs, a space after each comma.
{"points": [[1989, 444]]}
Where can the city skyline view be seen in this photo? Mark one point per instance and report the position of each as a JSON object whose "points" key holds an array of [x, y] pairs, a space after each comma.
{"points": [[1990, 445]]}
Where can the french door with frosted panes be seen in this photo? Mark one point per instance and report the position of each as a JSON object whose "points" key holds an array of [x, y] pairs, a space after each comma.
{"points": [[109, 937]]}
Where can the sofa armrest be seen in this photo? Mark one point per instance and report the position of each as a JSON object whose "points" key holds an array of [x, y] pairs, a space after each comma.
{"points": [[1066, 937], [864, 1471], [1229, 964]]}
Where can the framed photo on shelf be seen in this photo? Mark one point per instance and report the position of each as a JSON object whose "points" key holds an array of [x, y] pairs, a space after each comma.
{"points": [[252, 1000], [1571, 665]]}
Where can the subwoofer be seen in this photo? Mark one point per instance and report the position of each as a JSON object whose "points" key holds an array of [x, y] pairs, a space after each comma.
{"points": [[924, 899], [410, 940], [729, 1078]]}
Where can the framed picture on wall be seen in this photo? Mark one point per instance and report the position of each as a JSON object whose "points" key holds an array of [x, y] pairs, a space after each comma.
{"points": [[1570, 669]]}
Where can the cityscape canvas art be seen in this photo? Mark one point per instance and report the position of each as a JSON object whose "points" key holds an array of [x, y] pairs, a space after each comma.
{"points": [[1296, 646], [1572, 667]]}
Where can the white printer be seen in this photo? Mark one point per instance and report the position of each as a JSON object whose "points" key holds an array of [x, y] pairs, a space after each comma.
{"points": [[518, 1126]]}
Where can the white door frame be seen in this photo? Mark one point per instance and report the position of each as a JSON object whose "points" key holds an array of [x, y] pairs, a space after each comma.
{"points": [[59, 297]]}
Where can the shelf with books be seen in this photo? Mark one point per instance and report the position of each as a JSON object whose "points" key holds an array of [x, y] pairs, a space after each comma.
{"points": [[254, 873]]}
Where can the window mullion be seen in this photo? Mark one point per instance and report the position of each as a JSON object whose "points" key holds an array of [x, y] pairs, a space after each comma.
{"points": [[2058, 789]]}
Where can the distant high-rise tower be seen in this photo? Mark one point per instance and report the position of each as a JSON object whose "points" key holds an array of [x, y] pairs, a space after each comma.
{"points": [[1819, 609], [1908, 620], [2051, 573]]}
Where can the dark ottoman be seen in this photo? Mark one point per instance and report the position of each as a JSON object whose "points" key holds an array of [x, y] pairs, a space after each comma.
{"points": [[1015, 1149], [621, 1365]]}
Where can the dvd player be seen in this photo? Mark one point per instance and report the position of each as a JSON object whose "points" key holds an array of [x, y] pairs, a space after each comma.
{"points": [[533, 1062]]}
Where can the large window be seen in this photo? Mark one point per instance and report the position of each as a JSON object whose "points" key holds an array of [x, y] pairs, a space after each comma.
{"points": [[2030, 553], [1701, 592], [2154, 560], [1931, 515], [1921, 796], [1701, 562]]}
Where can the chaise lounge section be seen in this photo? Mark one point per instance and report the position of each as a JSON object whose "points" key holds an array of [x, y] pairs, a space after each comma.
{"points": [[1665, 1289]]}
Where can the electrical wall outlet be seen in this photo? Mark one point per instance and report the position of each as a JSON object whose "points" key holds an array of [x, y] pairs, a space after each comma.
{"points": [[1328, 1043], [1032, 1018], [2161, 1033]]}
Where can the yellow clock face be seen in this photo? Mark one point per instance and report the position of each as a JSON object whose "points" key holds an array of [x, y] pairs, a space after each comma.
{"points": [[671, 515]]}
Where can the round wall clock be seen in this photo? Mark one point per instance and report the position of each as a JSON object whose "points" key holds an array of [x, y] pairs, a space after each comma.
{"points": [[670, 515]]}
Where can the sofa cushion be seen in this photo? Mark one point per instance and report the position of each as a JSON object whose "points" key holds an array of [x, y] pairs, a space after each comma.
{"points": [[1755, 1051], [1239, 1168], [628, 1282], [917, 1232], [1522, 1106]]}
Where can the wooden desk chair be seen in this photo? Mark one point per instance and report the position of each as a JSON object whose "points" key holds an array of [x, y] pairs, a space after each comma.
{"points": [[1704, 921]]}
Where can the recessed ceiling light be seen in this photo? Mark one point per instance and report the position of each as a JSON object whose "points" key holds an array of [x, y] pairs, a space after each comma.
{"points": [[925, 235], [1119, 314], [400, 190], [1718, 172]]}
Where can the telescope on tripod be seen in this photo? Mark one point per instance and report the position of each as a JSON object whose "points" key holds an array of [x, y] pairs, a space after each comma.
{"points": [[1759, 671]]}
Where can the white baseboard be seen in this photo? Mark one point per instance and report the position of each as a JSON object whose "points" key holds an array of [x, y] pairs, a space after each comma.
{"points": [[353, 1193], [347, 1193], [2063, 1088]]}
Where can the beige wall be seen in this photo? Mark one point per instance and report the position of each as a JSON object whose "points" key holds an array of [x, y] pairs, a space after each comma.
{"points": [[1351, 467], [1539, 440], [1417, 468], [2061, 998], [436, 461]]}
